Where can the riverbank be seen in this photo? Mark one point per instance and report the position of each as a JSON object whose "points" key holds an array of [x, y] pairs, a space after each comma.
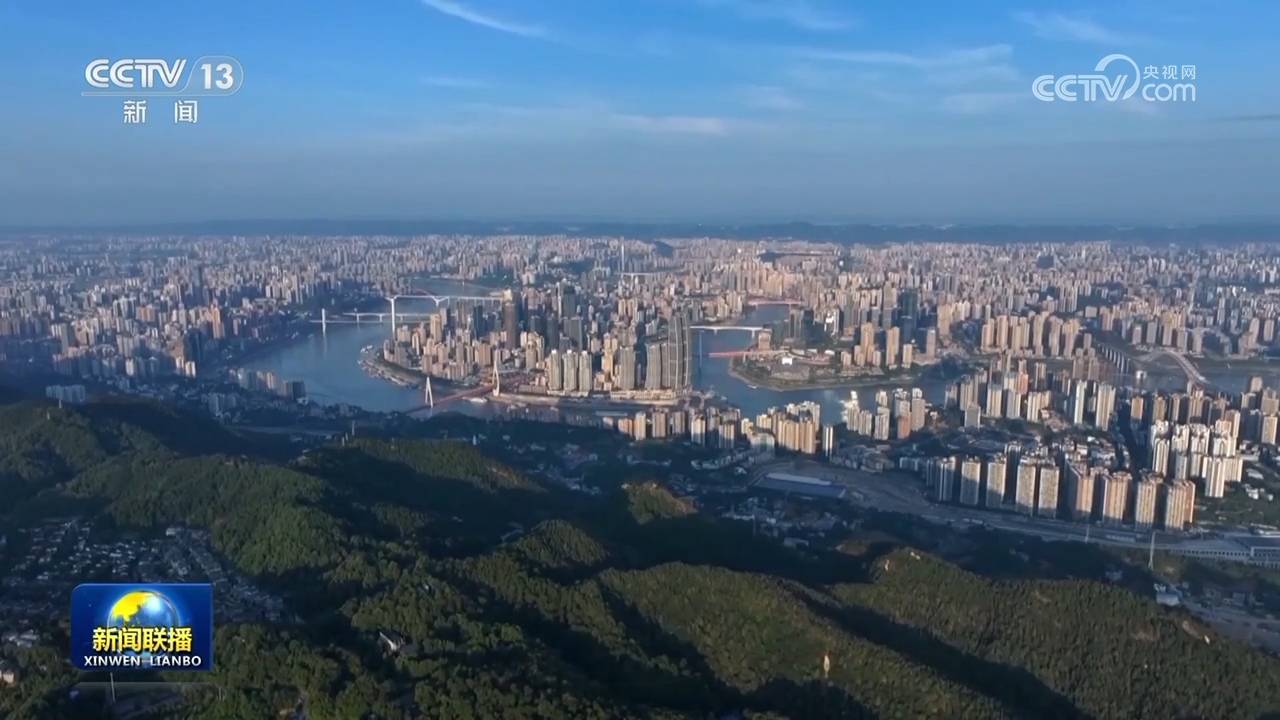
{"points": [[375, 365], [758, 380], [298, 329]]}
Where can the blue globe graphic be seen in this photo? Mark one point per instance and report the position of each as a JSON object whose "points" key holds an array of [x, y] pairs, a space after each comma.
{"points": [[143, 608]]}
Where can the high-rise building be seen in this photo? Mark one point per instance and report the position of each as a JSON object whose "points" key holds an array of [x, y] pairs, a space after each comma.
{"points": [[892, 349], [653, 366], [510, 323], [995, 400], [1078, 397], [1047, 496], [909, 313], [829, 440], [569, 359], [1079, 487], [1104, 404], [1025, 490], [1179, 504], [625, 369], [1145, 493], [1115, 496], [940, 474], [970, 481], [586, 372], [997, 469], [555, 372]]}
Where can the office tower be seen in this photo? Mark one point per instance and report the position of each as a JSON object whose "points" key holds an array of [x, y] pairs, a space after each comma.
{"points": [[997, 469], [555, 372], [586, 372], [1047, 497], [566, 301], [684, 334], [970, 481], [653, 366], [510, 324], [909, 313], [625, 369], [569, 359]]}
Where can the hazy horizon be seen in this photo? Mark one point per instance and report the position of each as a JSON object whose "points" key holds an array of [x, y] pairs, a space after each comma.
{"points": [[677, 110]]}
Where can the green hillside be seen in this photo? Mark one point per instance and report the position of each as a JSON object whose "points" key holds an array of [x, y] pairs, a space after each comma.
{"points": [[516, 598]]}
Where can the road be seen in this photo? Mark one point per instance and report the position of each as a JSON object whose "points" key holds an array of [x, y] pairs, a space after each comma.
{"points": [[900, 493]]}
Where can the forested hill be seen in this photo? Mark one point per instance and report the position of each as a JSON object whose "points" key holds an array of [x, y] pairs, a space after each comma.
{"points": [[515, 598]]}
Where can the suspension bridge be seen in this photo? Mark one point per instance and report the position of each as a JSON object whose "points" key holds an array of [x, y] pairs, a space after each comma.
{"points": [[358, 317]]}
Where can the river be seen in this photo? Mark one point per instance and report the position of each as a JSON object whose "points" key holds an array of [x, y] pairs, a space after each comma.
{"points": [[329, 365]]}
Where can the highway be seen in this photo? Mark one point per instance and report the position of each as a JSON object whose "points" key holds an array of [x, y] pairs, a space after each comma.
{"points": [[900, 493]]}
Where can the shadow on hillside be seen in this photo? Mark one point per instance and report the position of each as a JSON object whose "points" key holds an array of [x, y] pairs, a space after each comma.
{"points": [[182, 432], [625, 677], [813, 699], [679, 678], [472, 517], [1017, 689], [700, 540]]}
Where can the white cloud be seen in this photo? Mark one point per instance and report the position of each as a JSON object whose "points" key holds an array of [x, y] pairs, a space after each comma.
{"points": [[1056, 26], [574, 117], [672, 124], [983, 55], [998, 74], [455, 83], [797, 13], [770, 97], [475, 17], [980, 103]]}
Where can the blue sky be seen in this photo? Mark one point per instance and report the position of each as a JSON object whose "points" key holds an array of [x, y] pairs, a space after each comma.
{"points": [[721, 110]]}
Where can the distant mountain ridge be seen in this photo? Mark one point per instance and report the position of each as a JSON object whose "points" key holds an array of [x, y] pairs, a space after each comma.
{"points": [[845, 233]]}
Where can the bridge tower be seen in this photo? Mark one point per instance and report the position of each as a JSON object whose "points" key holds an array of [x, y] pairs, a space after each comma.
{"points": [[324, 322], [430, 398]]}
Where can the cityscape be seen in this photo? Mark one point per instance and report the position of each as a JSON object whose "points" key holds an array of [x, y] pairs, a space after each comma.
{"points": [[1073, 385], [649, 360]]}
